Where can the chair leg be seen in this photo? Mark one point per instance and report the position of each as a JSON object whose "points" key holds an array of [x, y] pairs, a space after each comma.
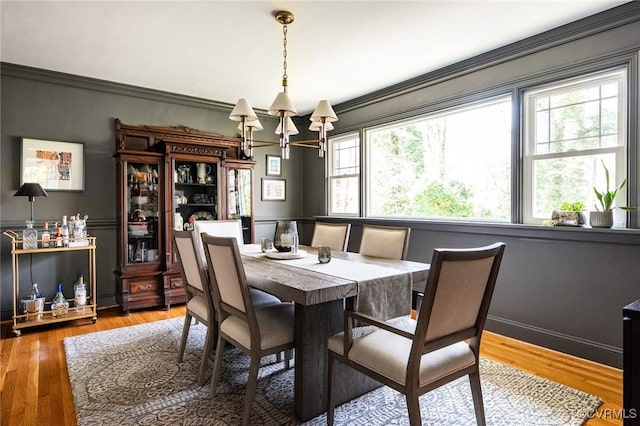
{"points": [[208, 341], [251, 388], [330, 404], [217, 364], [413, 406], [476, 393], [185, 334], [279, 357], [287, 358]]}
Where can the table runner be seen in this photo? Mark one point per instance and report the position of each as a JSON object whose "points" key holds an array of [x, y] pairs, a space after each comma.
{"points": [[383, 292]]}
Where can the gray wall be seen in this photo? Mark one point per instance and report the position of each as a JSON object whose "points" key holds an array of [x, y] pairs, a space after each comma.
{"points": [[46, 105], [561, 288]]}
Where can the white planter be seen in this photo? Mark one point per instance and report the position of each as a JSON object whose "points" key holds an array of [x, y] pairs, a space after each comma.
{"points": [[601, 219]]}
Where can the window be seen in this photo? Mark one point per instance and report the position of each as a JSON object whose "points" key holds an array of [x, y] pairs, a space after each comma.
{"points": [[454, 164], [570, 129], [344, 175]]}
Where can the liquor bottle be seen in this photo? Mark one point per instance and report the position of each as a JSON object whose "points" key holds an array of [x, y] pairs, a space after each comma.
{"points": [[35, 292], [58, 236], [46, 236], [29, 236], [71, 223], [80, 295], [59, 306], [36, 303], [65, 232]]}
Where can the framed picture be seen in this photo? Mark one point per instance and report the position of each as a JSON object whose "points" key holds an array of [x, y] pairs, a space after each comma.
{"points": [[273, 189], [56, 166], [274, 165]]}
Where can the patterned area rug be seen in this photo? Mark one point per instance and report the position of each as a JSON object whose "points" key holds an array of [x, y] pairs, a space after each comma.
{"points": [[130, 376]]}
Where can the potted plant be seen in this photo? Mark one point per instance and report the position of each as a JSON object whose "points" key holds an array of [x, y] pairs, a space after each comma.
{"points": [[578, 207], [602, 217], [569, 214]]}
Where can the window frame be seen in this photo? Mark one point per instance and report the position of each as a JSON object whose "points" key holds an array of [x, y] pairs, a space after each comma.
{"points": [[330, 177], [461, 104], [558, 85]]}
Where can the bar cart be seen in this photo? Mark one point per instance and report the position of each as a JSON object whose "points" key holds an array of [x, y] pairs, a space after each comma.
{"points": [[20, 320]]}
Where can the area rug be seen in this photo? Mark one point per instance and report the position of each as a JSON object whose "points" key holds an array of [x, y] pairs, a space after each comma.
{"points": [[130, 376]]}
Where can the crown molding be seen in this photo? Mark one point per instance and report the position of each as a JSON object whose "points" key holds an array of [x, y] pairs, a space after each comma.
{"points": [[55, 77]]}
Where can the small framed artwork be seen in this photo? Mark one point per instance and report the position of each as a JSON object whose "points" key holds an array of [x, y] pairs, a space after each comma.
{"points": [[274, 165], [273, 189], [56, 166]]}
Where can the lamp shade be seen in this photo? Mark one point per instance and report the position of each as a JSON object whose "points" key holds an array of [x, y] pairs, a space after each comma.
{"points": [[254, 125], [291, 128], [324, 110], [283, 104], [243, 109], [31, 190], [316, 126]]}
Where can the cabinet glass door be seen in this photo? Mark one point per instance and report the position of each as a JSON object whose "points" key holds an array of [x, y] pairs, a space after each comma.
{"points": [[142, 207], [239, 199], [195, 194]]}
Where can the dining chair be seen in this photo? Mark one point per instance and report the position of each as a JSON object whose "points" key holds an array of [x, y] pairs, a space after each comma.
{"points": [[199, 297], [334, 235], [389, 242], [227, 228], [417, 356], [255, 331]]}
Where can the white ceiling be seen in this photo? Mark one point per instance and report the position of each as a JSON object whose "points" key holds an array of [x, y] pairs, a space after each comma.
{"points": [[224, 50]]}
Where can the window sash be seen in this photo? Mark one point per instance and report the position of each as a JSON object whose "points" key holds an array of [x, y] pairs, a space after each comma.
{"points": [[574, 152], [451, 189], [343, 166]]}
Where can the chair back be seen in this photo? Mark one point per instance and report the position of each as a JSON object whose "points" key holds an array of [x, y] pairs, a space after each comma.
{"points": [[389, 242], [457, 297], [227, 277], [334, 235], [218, 228], [192, 274]]}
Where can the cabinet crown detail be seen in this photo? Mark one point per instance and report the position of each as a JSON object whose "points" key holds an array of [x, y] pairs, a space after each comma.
{"points": [[151, 138]]}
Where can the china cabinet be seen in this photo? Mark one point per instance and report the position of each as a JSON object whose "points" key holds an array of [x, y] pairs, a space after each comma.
{"points": [[169, 177]]}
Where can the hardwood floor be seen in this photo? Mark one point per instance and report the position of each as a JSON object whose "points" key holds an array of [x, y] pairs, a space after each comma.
{"points": [[35, 388]]}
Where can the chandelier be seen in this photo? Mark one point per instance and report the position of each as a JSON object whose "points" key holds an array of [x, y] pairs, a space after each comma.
{"points": [[282, 106]]}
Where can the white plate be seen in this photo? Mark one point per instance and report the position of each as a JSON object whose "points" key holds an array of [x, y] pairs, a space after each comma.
{"points": [[286, 255]]}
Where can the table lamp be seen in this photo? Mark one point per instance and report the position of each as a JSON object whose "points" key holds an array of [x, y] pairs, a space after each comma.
{"points": [[31, 190]]}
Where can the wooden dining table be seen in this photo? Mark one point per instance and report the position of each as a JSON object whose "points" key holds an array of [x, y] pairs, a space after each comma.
{"points": [[380, 287]]}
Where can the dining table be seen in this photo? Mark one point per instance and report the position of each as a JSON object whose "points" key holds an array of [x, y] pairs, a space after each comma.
{"points": [[321, 292]]}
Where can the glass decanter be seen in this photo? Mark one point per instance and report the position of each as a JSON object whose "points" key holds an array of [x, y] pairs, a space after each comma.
{"points": [[60, 305], [29, 236]]}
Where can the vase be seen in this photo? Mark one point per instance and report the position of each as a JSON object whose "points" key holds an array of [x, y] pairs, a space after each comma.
{"points": [[601, 219], [286, 236]]}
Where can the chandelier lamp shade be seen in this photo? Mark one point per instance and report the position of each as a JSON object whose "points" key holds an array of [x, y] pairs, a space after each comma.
{"points": [[284, 109], [31, 190]]}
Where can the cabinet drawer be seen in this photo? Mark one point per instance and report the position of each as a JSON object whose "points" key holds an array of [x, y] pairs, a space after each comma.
{"points": [[176, 283], [143, 286]]}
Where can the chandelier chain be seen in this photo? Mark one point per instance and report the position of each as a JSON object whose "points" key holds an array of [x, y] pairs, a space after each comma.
{"points": [[285, 77]]}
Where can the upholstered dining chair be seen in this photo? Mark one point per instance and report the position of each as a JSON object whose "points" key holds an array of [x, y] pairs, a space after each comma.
{"points": [[417, 356], [199, 297], [389, 242], [227, 228], [334, 235], [255, 331]]}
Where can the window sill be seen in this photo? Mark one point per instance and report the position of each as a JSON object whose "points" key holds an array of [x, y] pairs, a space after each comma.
{"points": [[514, 230]]}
